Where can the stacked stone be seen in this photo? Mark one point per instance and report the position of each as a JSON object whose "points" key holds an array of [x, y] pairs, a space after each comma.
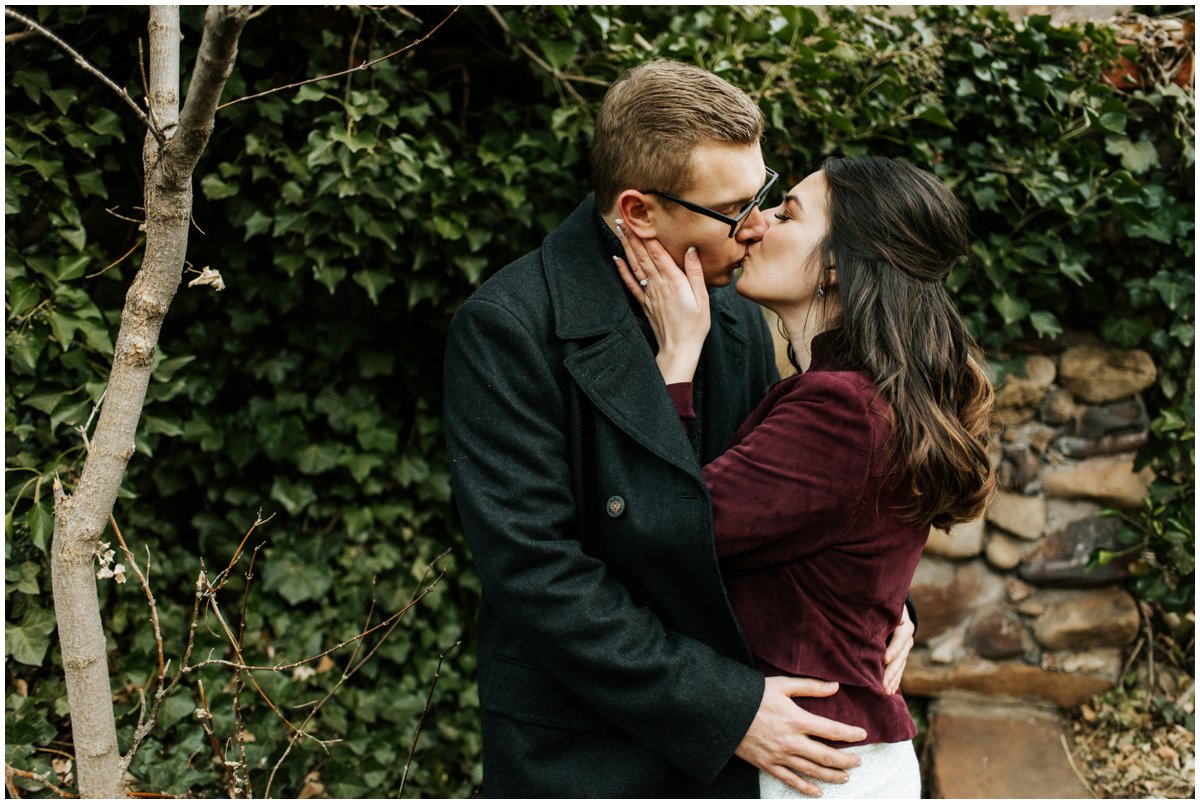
{"points": [[1007, 606]]}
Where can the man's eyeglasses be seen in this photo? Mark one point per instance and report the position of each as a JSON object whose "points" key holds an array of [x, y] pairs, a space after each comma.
{"points": [[735, 223]]}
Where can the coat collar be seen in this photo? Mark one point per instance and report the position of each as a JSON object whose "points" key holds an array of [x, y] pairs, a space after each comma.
{"points": [[589, 299]]}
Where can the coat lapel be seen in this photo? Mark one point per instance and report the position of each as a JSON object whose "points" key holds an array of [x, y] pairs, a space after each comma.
{"points": [[617, 372]]}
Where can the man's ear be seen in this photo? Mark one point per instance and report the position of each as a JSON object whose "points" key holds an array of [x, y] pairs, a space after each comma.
{"points": [[639, 213]]}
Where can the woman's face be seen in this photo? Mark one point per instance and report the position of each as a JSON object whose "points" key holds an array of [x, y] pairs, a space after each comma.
{"points": [[782, 270]]}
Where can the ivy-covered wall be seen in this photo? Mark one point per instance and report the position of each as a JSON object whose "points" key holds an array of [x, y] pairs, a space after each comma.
{"points": [[350, 218]]}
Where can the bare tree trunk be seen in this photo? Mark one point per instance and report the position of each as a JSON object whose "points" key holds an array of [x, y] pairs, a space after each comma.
{"points": [[80, 518]]}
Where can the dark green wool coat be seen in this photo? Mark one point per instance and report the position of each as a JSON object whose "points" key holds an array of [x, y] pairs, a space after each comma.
{"points": [[610, 662]]}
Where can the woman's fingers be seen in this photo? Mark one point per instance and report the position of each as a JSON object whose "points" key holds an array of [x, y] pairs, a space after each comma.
{"points": [[648, 259], [635, 250], [630, 280]]}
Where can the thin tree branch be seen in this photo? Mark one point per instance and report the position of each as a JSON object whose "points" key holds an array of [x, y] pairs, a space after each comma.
{"points": [[350, 671], [119, 260], [241, 684], [366, 65], [240, 665], [82, 62], [204, 713], [10, 771], [83, 430], [437, 674], [140, 222], [224, 576], [540, 62], [149, 599], [215, 609]]}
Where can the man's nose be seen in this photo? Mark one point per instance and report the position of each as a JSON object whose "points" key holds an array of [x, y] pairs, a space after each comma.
{"points": [[754, 228]]}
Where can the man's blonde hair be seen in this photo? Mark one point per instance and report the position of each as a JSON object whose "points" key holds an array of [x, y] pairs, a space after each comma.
{"points": [[651, 119]]}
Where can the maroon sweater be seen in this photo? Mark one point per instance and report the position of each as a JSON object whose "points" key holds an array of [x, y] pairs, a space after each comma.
{"points": [[813, 552]]}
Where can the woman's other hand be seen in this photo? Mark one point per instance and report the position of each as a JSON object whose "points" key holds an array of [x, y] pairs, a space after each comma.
{"points": [[675, 301], [896, 657]]}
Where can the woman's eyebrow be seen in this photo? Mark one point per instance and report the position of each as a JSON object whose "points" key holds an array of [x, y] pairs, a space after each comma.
{"points": [[791, 199]]}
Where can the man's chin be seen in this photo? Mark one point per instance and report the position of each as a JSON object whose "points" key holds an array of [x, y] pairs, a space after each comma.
{"points": [[723, 279]]}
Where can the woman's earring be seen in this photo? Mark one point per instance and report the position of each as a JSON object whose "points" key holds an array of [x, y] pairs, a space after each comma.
{"points": [[821, 290]]}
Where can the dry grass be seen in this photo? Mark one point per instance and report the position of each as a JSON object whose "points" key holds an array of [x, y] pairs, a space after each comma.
{"points": [[1139, 740]]}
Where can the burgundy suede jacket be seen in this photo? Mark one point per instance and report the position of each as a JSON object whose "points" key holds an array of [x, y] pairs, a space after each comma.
{"points": [[814, 555]]}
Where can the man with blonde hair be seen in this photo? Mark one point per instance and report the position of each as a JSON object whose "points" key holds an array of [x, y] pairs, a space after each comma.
{"points": [[610, 661]]}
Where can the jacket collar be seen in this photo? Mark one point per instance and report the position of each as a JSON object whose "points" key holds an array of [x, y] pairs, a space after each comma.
{"points": [[588, 297]]}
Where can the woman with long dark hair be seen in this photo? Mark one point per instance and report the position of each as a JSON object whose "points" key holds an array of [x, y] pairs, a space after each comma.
{"points": [[823, 502]]}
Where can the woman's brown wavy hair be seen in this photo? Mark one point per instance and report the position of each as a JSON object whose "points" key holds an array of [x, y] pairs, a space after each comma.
{"points": [[895, 232]]}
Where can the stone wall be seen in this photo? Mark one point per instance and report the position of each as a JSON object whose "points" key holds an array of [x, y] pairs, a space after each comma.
{"points": [[1006, 604]]}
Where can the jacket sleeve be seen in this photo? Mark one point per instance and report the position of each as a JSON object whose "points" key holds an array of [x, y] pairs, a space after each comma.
{"points": [[508, 443], [788, 488]]}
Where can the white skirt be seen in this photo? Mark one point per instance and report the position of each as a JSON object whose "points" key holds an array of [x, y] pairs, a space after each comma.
{"points": [[888, 770]]}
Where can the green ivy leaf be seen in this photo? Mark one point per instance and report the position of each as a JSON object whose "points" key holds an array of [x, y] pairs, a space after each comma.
{"points": [[1126, 331], [28, 641], [1137, 157], [40, 520], [1045, 324], [257, 223], [106, 122], [937, 116], [374, 283], [293, 496], [317, 458], [22, 578], [1010, 308], [295, 579]]}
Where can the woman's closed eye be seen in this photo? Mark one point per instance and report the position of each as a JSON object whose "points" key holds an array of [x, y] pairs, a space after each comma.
{"points": [[783, 216]]}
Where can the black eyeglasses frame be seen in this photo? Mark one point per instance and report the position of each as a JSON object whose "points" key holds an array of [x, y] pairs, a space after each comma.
{"points": [[734, 222]]}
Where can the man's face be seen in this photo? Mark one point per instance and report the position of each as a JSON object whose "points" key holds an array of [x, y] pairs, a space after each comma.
{"points": [[726, 178]]}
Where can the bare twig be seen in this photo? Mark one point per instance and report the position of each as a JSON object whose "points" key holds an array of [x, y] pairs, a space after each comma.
{"points": [[204, 713], [10, 771], [1074, 767], [145, 726], [292, 665], [366, 627], [210, 595], [146, 84], [366, 65], [437, 674], [55, 751], [224, 576], [351, 670], [237, 690], [83, 430], [122, 217], [557, 74], [257, 14], [82, 62], [149, 599], [353, 50], [119, 260]]}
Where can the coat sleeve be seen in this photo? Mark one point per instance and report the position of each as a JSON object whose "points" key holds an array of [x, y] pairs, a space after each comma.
{"points": [[507, 438], [789, 487]]}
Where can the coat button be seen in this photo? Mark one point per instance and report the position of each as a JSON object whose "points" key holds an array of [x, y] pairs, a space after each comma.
{"points": [[616, 506]]}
